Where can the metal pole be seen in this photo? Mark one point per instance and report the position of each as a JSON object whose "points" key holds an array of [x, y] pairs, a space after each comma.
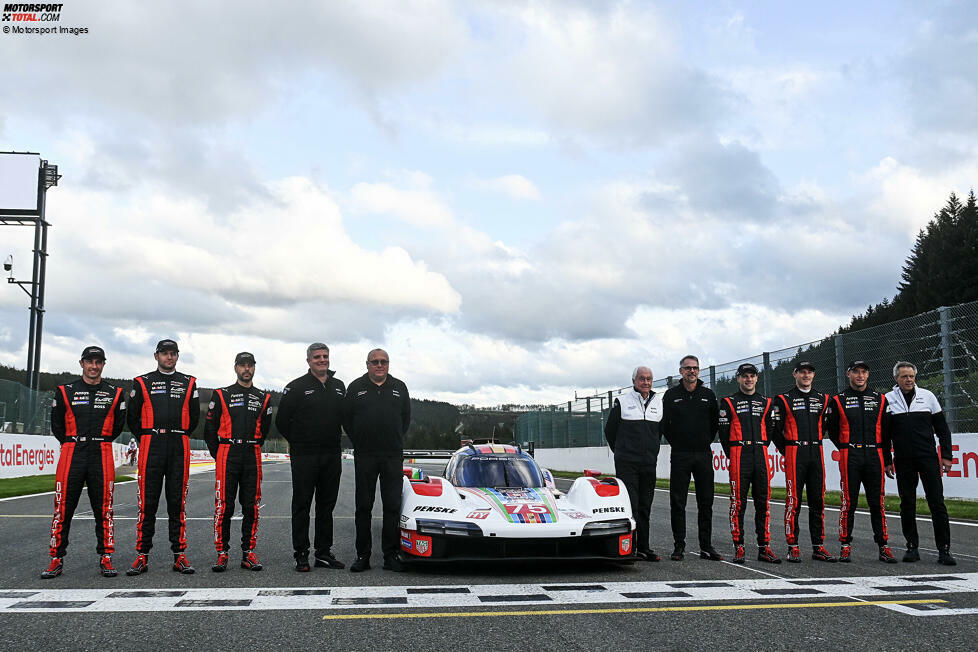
{"points": [[31, 338], [587, 424], [767, 374], [39, 331], [947, 365], [713, 377], [840, 365], [568, 428]]}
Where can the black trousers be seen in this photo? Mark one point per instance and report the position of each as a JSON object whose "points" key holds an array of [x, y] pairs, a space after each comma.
{"points": [[164, 465], [368, 468], [804, 470], [639, 479], [699, 465], [237, 473], [749, 472], [314, 475], [928, 471], [862, 466]]}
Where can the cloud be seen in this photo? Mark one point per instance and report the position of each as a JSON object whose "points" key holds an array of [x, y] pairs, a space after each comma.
{"points": [[514, 186], [418, 207]]}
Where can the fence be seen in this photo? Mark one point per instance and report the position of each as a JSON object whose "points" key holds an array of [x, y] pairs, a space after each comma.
{"points": [[943, 343], [23, 410]]}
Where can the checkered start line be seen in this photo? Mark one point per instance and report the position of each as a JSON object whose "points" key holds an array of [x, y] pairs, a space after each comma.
{"points": [[474, 596]]}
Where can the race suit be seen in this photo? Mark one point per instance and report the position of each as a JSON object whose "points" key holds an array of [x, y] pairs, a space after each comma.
{"points": [[745, 421], [237, 422], [799, 438], [85, 419], [163, 410], [855, 425]]}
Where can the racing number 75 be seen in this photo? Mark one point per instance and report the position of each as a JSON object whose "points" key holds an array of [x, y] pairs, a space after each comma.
{"points": [[524, 508]]}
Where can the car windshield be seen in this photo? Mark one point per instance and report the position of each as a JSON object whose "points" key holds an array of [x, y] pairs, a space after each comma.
{"points": [[494, 471]]}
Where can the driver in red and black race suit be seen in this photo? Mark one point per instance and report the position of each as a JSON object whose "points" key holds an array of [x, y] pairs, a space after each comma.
{"points": [[86, 416], [746, 419], [799, 438], [238, 418], [164, 409], [855, 426]]}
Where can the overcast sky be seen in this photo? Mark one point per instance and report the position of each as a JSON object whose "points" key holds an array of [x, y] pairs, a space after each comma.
{"points": [[518, 200]]}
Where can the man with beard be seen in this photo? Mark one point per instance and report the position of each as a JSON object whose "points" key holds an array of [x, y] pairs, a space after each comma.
{"points": [[85, 417], [164, 408], [238, 418]]}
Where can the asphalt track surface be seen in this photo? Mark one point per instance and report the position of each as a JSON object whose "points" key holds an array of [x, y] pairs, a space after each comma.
{"points": [[692, 604]]}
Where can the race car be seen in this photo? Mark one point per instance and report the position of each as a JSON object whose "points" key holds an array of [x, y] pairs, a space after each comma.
{"points": [[496, 502]]}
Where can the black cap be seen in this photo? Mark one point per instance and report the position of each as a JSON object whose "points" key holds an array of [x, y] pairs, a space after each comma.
{"points": [[804, 364], [167, 345], [858, 363], [244, 358], [93, 353], [746, 368]]}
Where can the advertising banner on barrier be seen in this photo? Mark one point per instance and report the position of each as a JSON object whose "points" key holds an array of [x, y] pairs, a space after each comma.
{"points": [[23, 455], [960, 482]]}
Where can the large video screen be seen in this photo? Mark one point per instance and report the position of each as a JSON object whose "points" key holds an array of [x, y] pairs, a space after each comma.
{"points": [[18, 181]]}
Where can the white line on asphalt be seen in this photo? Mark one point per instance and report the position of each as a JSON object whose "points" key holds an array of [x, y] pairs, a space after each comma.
{"points": [[126, 596]]}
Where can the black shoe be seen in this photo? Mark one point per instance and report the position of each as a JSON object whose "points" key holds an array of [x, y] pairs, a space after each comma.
{"points": [[944, 556], [649, 555], [740, 556], [911, 555], [328, 561], [302, 563], [819, 553], [886, 555], [678, 552], [249, 560], [709, 552], [392, 563], [794, 555], [360, 564], [52, 571]]}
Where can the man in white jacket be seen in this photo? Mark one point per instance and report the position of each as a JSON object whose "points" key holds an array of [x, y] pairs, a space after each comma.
{"points": [[914, 416], [632, 432]]}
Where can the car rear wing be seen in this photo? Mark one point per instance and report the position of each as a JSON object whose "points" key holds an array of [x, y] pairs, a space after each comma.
{"points": [[421, 455]]}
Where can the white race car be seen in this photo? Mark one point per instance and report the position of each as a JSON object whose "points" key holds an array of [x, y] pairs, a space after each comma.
{"points": [[495, 502]]}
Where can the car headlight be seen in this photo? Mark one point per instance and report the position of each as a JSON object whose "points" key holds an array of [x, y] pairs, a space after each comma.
{"points": [[450, 528], [617, 526]]}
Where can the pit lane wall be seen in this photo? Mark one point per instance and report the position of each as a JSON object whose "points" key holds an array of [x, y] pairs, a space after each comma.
{"points": [[23, 455], [960, 482]]}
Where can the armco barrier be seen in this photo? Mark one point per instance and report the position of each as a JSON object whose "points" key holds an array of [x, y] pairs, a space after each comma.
{"points": [[960, 482]]}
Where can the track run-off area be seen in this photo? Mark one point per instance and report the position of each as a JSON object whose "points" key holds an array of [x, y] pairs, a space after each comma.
{"points": [[690, 604]]}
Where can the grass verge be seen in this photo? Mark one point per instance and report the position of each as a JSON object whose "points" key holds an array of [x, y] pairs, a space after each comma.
{"points": [[37, 484], [959, 509]]}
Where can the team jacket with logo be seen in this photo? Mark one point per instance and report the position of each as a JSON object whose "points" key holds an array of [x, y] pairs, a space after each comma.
{"points": [[311, 413], [856, 420], [632, 429], [377, 416], [161, 401], [802, 417], [237, 415], [94, 412], [689, 419], [746, 418], [912, 427]]}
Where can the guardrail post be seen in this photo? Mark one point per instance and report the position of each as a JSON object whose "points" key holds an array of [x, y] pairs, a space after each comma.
{"points": [[840, 364], [947, 366]]}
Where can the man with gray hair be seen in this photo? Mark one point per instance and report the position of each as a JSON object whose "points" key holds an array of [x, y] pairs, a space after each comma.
{"points": [[632, 432], [309, 417], [914, 417]]}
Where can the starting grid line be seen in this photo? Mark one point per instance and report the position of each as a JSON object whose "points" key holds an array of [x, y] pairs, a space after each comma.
{"points": [[886, 588]]}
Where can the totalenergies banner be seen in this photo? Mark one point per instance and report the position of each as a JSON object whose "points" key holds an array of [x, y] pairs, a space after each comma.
{"points": [[960, 482], [22, 455]]}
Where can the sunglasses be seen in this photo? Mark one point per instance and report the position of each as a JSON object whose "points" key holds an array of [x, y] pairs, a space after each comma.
{"points": [[379, 363]]}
